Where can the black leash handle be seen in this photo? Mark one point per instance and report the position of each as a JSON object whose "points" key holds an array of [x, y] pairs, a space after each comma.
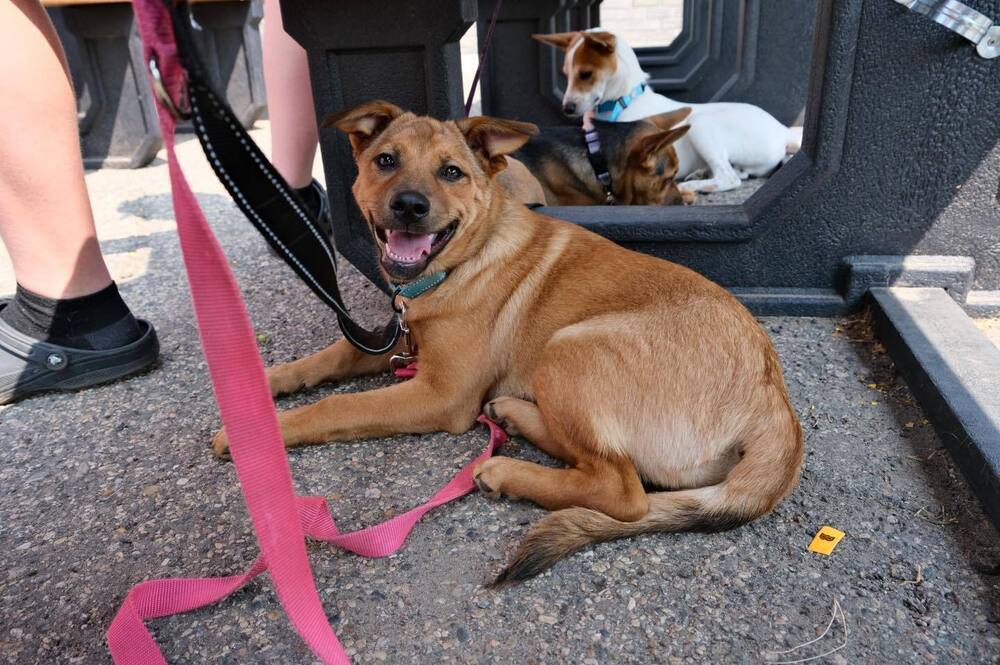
{"points": [[257, 188]]}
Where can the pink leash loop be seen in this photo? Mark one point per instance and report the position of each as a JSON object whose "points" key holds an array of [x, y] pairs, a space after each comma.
{"points": [[280, 518]]}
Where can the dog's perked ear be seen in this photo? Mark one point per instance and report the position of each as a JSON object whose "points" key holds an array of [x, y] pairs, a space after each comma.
{"points": [[646, 151], [560, 40], [602, 42], [492, 138], [670, 119], [364, 122]]}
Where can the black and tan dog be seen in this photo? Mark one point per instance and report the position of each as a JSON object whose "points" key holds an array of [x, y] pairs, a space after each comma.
{"points": [[634, 371], [640, 156]]}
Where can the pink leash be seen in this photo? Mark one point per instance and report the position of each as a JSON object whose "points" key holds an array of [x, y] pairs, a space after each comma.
{"points": [[280, 518]]}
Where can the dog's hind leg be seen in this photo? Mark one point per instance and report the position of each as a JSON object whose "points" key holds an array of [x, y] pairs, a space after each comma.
{"points": [[338, 361], [724, 178], [520, 417], [564, 425], [611, 487], [714, 154]]}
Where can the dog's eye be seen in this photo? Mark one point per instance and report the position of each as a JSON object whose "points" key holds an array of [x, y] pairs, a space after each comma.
{"points": [[585, 76], [451, 172], [385, 161]]}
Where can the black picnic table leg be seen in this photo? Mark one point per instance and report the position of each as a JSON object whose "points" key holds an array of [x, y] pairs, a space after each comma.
{"points": [[404, 52], [521, 78]]}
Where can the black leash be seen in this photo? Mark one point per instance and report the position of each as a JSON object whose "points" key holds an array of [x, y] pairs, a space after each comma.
{"points": [[256, 187], [599, 163], [483, 52]]}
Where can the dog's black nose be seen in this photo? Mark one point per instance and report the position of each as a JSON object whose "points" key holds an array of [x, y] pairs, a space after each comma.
{"points": [[569, 108], [410, 206]]}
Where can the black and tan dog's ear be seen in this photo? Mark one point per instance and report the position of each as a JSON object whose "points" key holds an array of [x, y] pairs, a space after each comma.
{"points": [[602, 42], [364, 122], [492, 138], [670, 119], [561, 40], [647, 150]]}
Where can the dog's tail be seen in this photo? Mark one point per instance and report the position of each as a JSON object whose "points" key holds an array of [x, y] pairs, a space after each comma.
{"points": [[793, 140], [767, 471]]}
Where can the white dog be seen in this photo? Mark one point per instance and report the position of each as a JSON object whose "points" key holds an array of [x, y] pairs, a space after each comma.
{"points": [[731, 141]]}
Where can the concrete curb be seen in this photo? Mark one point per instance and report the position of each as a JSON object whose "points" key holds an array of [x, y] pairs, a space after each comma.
{"points": [[954, 372]]}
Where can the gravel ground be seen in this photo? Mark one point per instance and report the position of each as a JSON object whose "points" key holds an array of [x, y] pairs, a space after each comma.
{"points": [[733, 196], [104, 488]]}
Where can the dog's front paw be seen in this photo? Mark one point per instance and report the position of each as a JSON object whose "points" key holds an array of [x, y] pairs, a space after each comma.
{"points": [[220, 445], [283, 380], [489, 476]]}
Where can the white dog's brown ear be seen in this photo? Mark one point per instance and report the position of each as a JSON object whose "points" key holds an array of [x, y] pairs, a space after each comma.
{"points": [[561, 40], [364, 122], [670, 119], [602, 42], [492, 138]]}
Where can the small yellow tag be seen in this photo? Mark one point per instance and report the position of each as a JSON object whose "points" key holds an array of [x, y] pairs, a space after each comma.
{"points": [[826, 539]]}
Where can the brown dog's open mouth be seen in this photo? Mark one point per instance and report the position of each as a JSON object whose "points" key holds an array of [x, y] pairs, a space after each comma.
{"points": [[406, 254]]}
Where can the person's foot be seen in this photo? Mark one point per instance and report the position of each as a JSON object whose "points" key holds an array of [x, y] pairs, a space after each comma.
{"points": [[314, 196], [318, 205], [66, 344]]}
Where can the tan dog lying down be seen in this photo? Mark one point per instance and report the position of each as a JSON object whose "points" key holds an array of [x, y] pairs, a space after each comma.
{"points": [[628, 368]]}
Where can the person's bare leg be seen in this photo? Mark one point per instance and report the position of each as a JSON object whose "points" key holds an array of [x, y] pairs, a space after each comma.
{"points": [[45, 218], [289, 101], [66, 307]]}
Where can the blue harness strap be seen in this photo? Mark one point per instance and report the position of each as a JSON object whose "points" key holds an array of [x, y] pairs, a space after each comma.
{"points": [[610, 110]]}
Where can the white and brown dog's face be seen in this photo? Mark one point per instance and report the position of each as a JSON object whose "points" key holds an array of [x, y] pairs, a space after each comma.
{"points": [[590, 62]]}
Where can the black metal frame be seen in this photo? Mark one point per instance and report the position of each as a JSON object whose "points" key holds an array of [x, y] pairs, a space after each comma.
{"points": [[695, 65], [117, 117], [681, 66], [871, 178], [727, 50], [761, 67]]}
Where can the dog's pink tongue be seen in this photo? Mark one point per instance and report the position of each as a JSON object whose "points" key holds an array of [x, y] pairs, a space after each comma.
{"points": [[404, 246]]}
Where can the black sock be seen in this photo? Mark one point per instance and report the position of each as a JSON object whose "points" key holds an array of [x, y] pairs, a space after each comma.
{"points": [[99, 321], [310, 197]]}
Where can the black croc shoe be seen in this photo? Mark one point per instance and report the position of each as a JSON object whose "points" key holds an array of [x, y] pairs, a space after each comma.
{"points": [[29, 366], [323, 214]]}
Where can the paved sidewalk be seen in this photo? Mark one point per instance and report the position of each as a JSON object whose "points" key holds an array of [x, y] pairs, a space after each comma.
{"points": [[104, 488]]}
